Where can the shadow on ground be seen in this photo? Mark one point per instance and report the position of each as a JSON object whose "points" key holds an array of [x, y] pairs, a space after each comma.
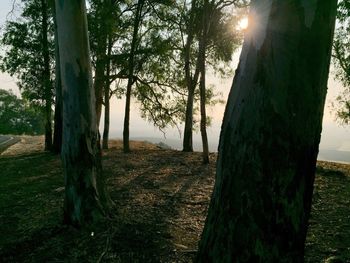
{"points": [[161, 199]]}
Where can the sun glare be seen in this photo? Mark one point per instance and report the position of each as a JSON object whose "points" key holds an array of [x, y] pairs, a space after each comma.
{"points": [[243, 23]]}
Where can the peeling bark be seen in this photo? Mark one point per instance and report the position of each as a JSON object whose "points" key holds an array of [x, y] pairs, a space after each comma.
{"points": [[85, 196], [270, 135]]}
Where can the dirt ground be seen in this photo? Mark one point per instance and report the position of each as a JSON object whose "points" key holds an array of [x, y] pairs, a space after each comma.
{"points": [[161, 199]]}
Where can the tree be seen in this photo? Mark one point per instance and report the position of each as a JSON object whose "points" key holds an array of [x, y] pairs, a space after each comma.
{"points": [[85, 196], [28, 57], [17, 116], [341, 59], [270, 135], [210, 37], [107, 94], [206, 17], [58, 118], [101, 16], [131, 68]]}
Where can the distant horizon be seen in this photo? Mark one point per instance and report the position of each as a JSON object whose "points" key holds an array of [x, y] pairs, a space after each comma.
{"points": [[334, 136]]}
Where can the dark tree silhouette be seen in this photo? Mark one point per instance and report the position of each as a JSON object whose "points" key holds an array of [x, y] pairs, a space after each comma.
{"points": [[270, 135]]}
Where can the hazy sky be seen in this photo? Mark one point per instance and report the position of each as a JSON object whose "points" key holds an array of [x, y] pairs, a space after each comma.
{"points": [[333, 136]]}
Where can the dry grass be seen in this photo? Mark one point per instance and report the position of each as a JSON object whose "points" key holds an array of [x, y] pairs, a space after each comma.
{"points": [[161, 201]]}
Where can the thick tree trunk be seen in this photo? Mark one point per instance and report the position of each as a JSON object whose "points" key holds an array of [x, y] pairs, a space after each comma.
{"points": [[107, 96], [46, 77], [270, 134], [85, 196], [58, 119], [137, 22]]}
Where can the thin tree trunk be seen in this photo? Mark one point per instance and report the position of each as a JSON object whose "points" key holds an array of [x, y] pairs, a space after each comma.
{"points": [[107, 97], [57, 137], [46, 77], [203, 125], [187, 141], [191, 83], [270, 135], [85, 196], [98, 87], [202, 56], [137, 22], [99, 82]]}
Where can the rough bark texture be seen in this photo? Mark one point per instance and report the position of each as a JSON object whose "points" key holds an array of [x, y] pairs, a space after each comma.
{"points": [[270, 134], [137, 21], [46, 77], [58, 118], [85, 197]]}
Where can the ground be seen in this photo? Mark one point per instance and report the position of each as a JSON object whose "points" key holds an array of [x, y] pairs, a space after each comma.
{"points": [[161, 197]]}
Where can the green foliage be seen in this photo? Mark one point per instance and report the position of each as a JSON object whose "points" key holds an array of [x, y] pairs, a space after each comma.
{"points": [[168, 28], [17, 116], [341, 59], [22, 44], [158, 62]]}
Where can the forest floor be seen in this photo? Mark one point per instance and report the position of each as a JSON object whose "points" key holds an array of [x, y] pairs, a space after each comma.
{"points": [[161, 199]]}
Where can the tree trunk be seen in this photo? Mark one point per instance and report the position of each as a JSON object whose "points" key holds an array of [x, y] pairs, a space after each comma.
{"points": [[107, 96], [98, 87], [137, 22], [202, 56], [187, 142], [85, 196], [191, 84], [46, 77], [270, 135], [99, 82], [57, 137], [203, 125]]}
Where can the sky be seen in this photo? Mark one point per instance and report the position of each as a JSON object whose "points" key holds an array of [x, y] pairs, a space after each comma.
{"points": [[334, 136]]}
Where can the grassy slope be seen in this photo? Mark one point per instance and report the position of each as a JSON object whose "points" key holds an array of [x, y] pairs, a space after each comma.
{"points": [[161, 199]]}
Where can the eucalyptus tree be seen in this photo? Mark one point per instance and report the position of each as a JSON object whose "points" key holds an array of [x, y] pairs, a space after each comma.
{"points": [[138, 16], [216, 30], [270, 135], [341, 59], [103, 22], [29, 55], [210, 26], [105, 29], [85, 195], [143, 52]]}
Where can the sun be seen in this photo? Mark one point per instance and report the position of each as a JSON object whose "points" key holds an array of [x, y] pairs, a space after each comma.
{"points": [[243, 23]]}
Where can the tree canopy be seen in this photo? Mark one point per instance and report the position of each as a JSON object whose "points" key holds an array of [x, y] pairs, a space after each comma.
{"points": [[17, 116], [341, 59]]}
